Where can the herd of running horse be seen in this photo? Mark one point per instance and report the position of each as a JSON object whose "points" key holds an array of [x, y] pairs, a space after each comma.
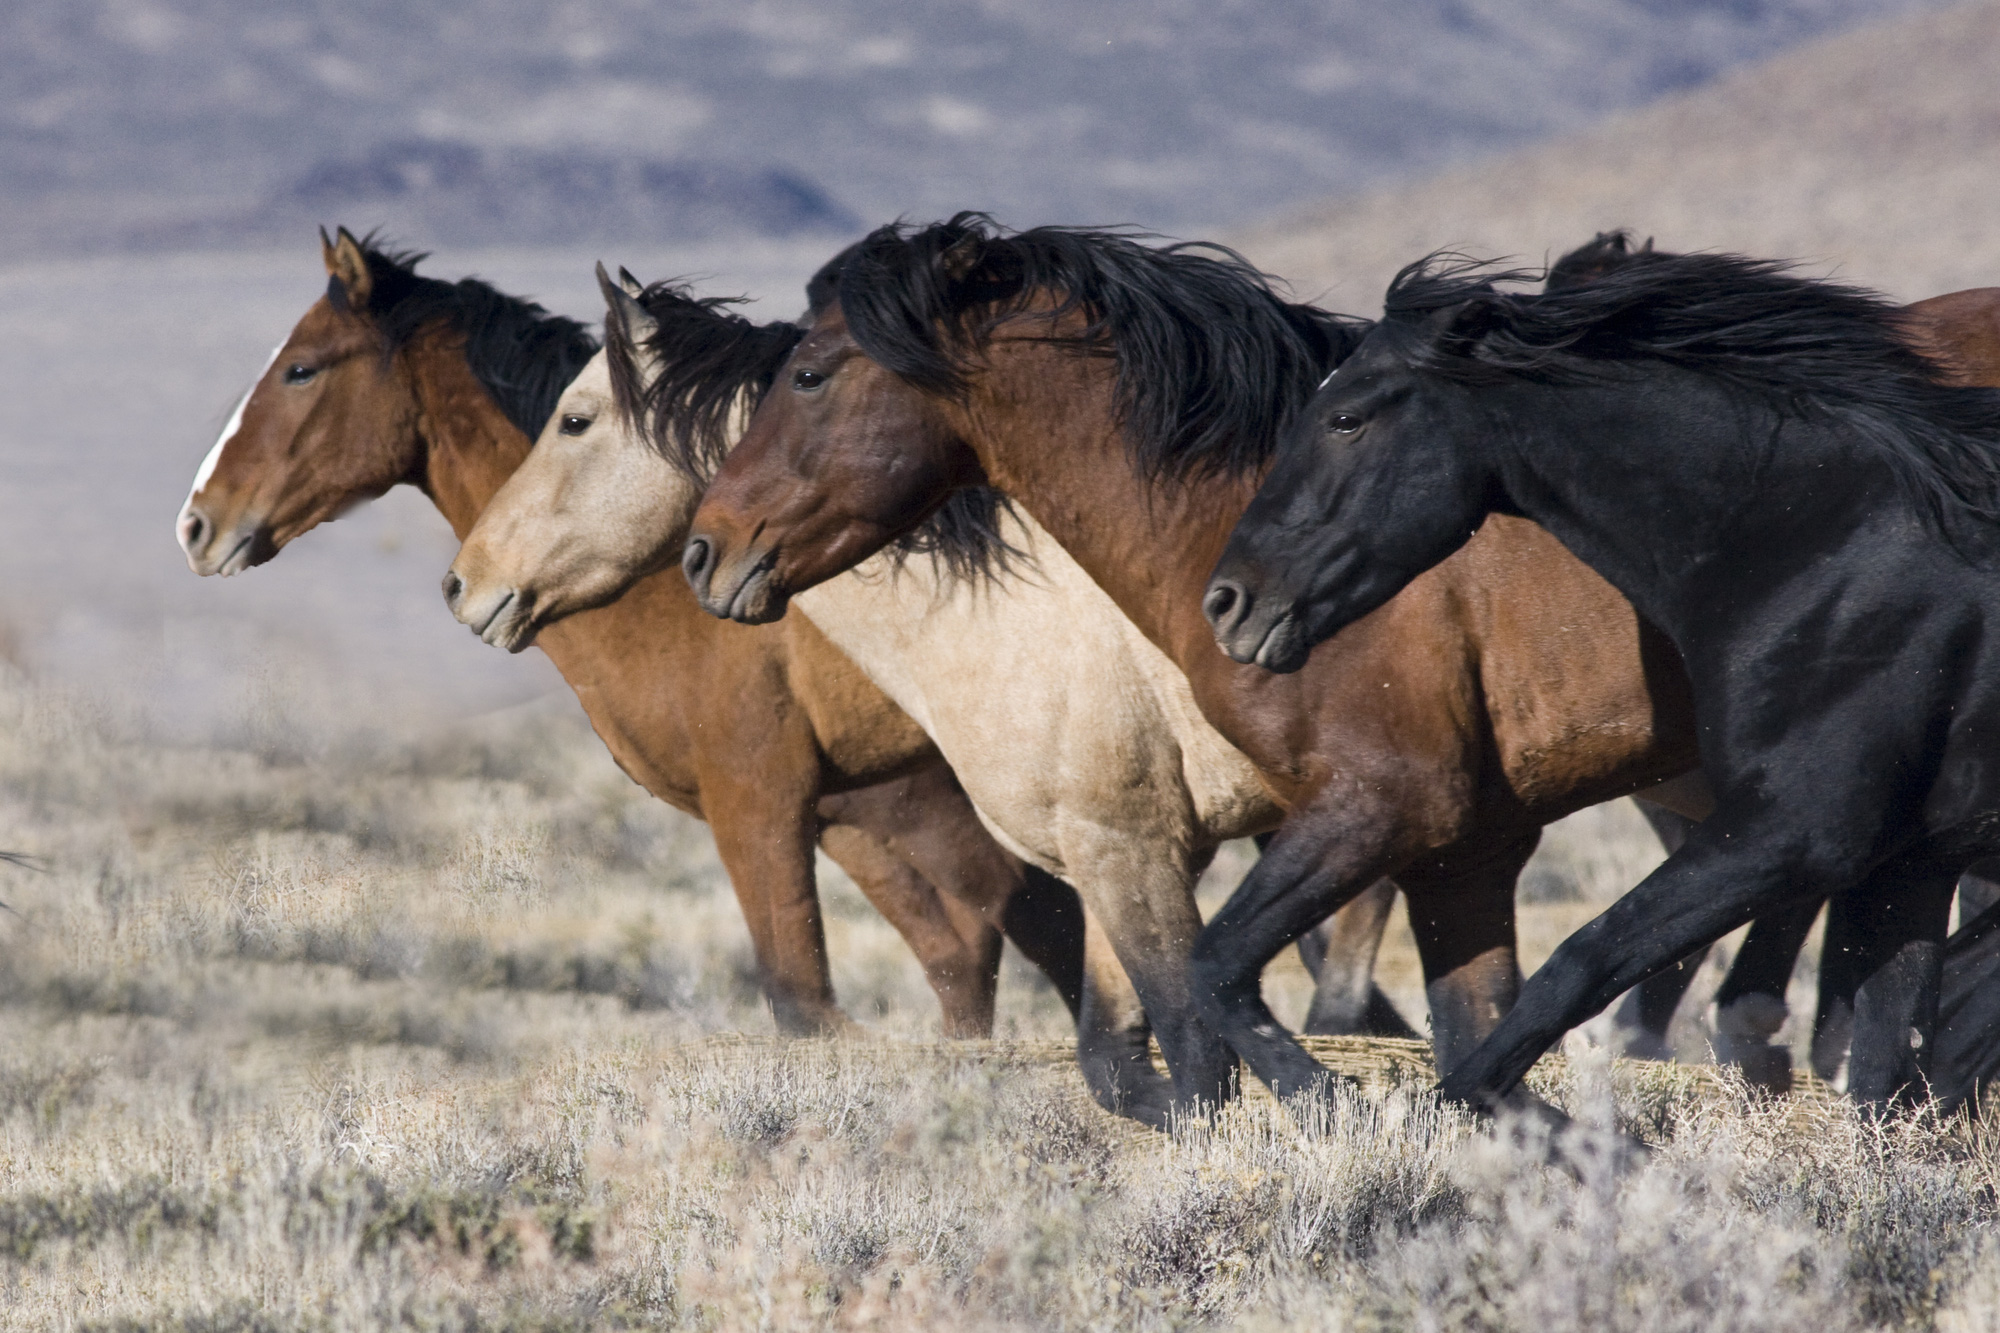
{"points": [[1105, 553]]}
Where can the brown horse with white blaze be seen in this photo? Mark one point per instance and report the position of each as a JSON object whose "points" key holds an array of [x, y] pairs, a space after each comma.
{"points": [[773, 737]]}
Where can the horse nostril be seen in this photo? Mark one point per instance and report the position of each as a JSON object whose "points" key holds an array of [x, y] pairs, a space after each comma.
{"points": [[454, 588], [193, 528], [1223, 604], [694, 560]]}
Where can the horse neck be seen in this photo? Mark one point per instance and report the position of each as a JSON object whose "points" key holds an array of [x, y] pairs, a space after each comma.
{"points": [[1679, 531], [470, 447], [1048, 437]]}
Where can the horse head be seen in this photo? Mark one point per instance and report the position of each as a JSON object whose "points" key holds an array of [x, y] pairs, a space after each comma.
{"points": [[329, 422]]}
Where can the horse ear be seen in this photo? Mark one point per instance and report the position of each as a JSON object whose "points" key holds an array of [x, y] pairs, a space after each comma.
{"points": [[1647, 248], [961, 256], [632, 286], [635, 323], [1455, 329], [349, 283]]}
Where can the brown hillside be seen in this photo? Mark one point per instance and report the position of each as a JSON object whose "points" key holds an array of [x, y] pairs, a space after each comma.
{"points": [[1875, 155]]}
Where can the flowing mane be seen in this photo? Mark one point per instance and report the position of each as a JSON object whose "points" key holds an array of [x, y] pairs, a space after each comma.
{"points": [[523, 356], [1211, 360], [1802, 345], [714, 367]]}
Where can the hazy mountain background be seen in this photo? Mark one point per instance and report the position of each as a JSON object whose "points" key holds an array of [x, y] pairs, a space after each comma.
{"points": [[170, 123]]}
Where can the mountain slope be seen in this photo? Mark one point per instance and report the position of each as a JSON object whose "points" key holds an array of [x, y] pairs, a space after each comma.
{"points": [[1875, 154]]}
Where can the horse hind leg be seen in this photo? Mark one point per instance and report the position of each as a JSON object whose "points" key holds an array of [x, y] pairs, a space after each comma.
{"points": [[957, 950], [1340, 955], [1750, 1004]]}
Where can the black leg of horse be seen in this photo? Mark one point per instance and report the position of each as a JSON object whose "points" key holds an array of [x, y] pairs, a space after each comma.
{"points": [[1324, 855], [1839, 977], [1900, 915], [1978, 890], [1727, 873], [1648, 1009], [1044, 919], [1967, 1052], [1968, 1039], [1750, 1004], [1340, 954], [1464, 923]]}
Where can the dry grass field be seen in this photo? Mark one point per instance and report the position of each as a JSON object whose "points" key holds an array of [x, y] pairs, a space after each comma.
{"points": [[305, 1029]]}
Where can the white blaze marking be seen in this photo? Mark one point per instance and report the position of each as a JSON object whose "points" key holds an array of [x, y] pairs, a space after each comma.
{"points": [[229, 429]]}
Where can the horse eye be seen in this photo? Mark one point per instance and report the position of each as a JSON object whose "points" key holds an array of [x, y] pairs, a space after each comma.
{"points": [[300, 374], [574, 425], [1343, 424], [807, 379]]}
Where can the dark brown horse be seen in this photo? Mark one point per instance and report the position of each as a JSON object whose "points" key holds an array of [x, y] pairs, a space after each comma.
{"points": [[770, 735], [1429, 742]]}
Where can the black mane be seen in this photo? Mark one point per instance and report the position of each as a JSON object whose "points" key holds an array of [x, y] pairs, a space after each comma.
{"points": [[524, 356], [713, 364], [1804, 346], [1211, 361]]}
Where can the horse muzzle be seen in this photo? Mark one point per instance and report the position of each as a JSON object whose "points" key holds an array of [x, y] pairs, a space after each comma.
{"points": [[745, 590], [501, 616], [1252, 630], [211, 549]]}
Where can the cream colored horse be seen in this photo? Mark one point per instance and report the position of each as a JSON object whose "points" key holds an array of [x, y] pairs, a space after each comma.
{"points": [[1077, 740]]}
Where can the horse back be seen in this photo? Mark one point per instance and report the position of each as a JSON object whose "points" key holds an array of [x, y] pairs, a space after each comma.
{"points": [[1961, 330]]}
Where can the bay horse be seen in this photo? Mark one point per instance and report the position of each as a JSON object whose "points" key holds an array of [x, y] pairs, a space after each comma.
{"points": [[773, 737], [1770, 472], [1094, 765], [1127, 397]]}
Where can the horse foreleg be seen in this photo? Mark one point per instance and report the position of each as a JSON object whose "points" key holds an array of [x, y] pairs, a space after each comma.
{"points": [[935, 829], [1142, 896], [1114, 1040], [1899, 914], [958, 952], [1323, 855], [1750, 1003], [765, 840], [1968, 1040], [1464, 923], [1724, 875], [1648, 1009]]}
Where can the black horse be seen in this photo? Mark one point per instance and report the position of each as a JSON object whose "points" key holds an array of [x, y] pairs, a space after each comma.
{"points": [[1771, 475]]}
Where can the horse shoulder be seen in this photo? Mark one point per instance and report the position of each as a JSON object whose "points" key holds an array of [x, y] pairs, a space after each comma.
{"points": [[1571, 679], [860, 729]]}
